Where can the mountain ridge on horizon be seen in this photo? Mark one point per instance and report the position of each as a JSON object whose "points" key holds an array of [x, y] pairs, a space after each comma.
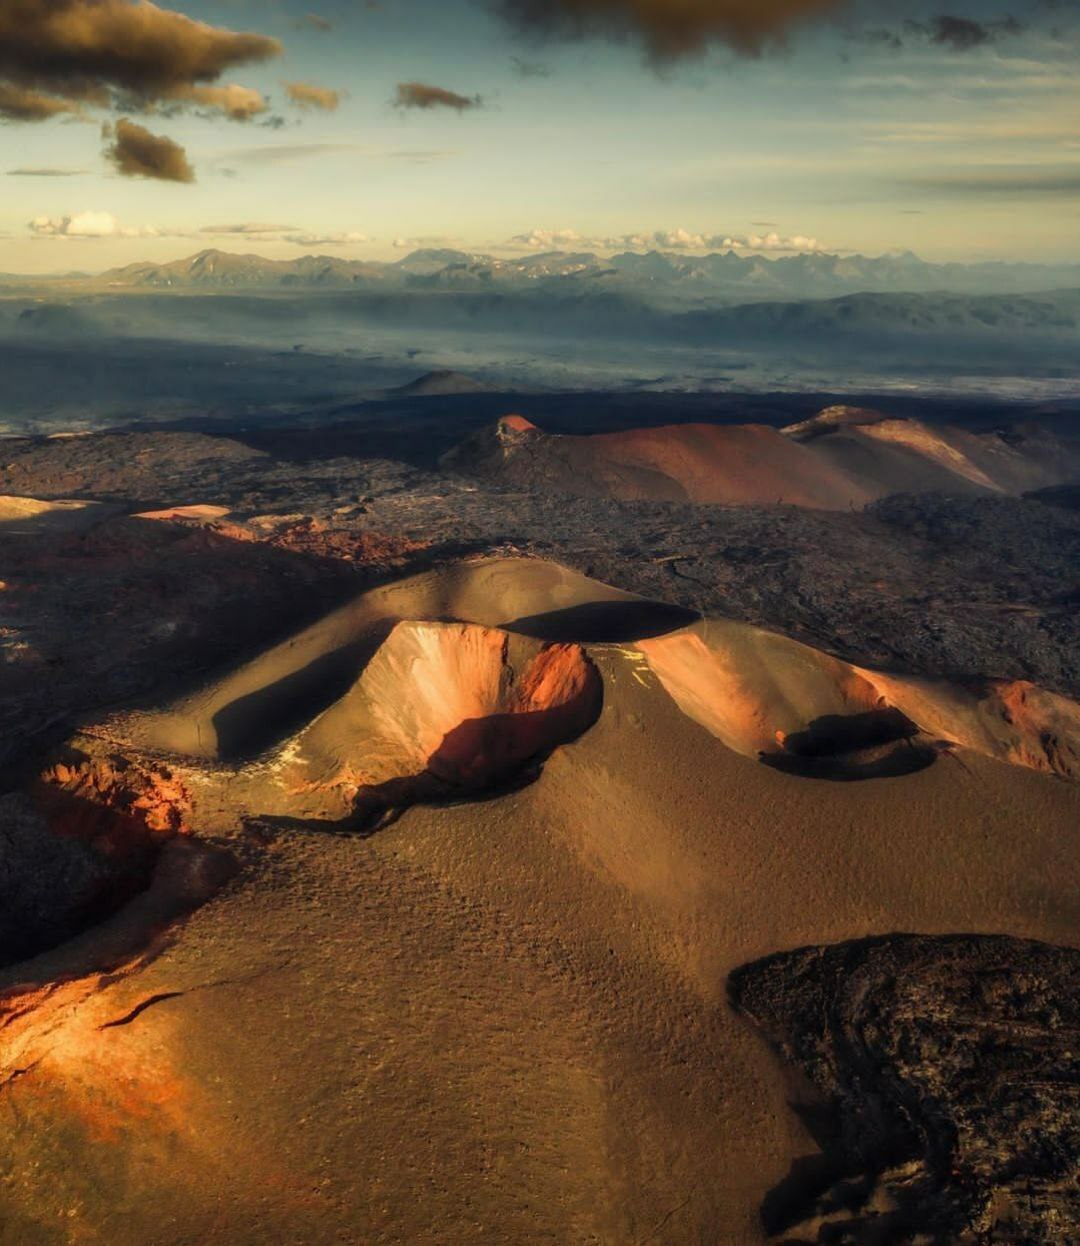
{"points": [[666, 276]]}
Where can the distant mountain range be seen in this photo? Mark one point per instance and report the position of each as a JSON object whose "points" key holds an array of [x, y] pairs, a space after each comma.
{"points": [[668, 280]]}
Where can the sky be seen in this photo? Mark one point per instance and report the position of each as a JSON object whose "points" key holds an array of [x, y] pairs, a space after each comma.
{"points": [[367, 128]]}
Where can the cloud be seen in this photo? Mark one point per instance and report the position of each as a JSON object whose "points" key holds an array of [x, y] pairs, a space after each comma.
{"points": [[287, 153], [247, 227], [326, 240], [552, 239], [312, 21], [1014, 182], [669, 29], [307, 95], [962, 34], [421, 95], [25, 104], [235, 102], [417, 156], [83, 225], [662, 239], [284, 233], [429, 240], [958, 34], [137, 153], [60, 55], [46, 172], [530, 69], [682, 240], [91, 226]]}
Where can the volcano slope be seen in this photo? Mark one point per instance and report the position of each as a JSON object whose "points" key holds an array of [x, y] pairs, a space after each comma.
{"points": [[500, 836], [842, 458]]}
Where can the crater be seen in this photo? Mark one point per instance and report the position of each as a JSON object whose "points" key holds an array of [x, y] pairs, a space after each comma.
{"points": [[445, 711], [875, 744], [798, 710]]}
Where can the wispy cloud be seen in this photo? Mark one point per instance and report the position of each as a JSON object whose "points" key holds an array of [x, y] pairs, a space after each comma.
{"points": [[428, 240], [313, 21], [421, 95], [530, 69], [287, 153], [46, 172], [348, 239], [1013, 182], [248, 228]]}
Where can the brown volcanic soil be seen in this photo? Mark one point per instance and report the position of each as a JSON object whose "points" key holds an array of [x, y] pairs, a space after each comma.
{"points": [[682, 463]]}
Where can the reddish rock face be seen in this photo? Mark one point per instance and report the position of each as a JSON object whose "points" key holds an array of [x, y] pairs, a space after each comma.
{"points": [[93, 834], [112, 800], [443, 710], [555, 699], [517, 424]]}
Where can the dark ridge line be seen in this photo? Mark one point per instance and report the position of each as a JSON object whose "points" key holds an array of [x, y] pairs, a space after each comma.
{"points": [[140, 1008]]}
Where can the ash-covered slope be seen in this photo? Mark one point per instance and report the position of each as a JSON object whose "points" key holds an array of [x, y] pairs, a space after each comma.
{"points": [[842, 458]]}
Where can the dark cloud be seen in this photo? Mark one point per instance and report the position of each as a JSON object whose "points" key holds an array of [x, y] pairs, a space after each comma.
{"points": [[962, 34], [530, 69], [137, 153], [308, 95], [1016, 183], [958, 34], [421, 95], [670, 28], [94, 51]]}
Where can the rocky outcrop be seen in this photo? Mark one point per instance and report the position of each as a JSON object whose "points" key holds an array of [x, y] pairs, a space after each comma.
{"points": [[148, 799], [944, 1083], [84, 840]]}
